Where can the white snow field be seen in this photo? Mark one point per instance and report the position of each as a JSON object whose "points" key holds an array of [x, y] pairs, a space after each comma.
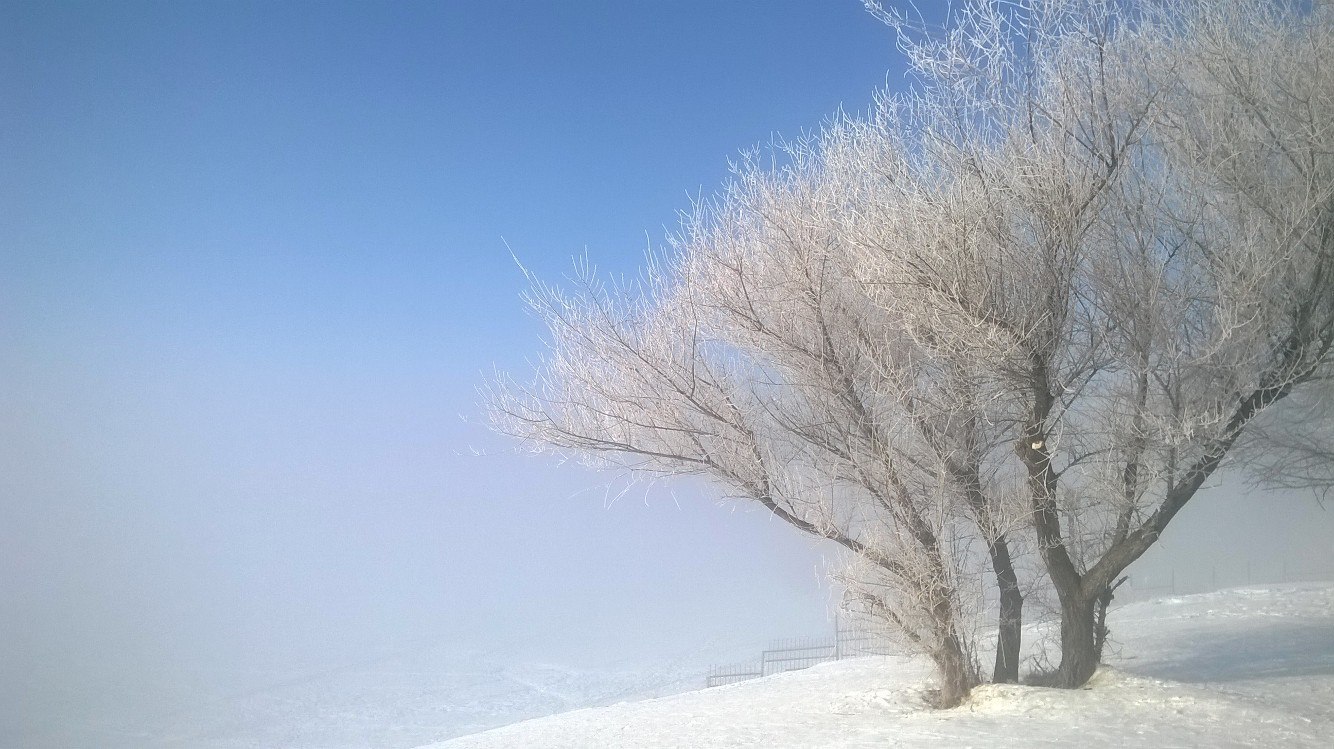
{"points": [[420, 695], [1242, 667]]}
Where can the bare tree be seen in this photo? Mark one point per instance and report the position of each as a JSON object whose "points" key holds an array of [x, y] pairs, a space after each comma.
{"points": [[1124, 213], [1077, 266], [755, 357], [1291, 446], [875, 410]]}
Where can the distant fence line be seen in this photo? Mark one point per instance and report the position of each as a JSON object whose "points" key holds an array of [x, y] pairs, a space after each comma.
{"points": [[860, 637], [848, 641], [1219, 577]]}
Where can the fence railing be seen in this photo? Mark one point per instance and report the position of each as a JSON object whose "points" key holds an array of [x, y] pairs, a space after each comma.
{"points": [[795, 654], [858, 636], [720, 675]]}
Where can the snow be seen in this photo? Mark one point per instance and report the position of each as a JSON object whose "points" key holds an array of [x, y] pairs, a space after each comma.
{"points": [[1244, 667], [422, 694]]}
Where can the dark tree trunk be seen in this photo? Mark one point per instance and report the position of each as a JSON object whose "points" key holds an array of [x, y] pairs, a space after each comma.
{"points": [[1009, 629], [1079, 641], [1084, 598], [1100, 630], [1010, 622]]}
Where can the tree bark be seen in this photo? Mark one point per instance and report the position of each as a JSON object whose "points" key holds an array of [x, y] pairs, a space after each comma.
{"points": [[1010, 621], [1104, 600], [1009, 630], [1079, 641], [956, 674]]}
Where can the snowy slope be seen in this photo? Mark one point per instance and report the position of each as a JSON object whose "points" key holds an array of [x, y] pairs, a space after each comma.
{"points": [[417, 696], [1246, 667]]}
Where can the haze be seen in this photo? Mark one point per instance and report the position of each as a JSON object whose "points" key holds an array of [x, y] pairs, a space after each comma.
{"points": [[254, 260]]}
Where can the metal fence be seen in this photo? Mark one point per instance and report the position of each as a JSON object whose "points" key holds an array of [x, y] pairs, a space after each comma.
{"points": [[856, 636], [848, 641], [867, 639], [794, 655], [720, 675]]}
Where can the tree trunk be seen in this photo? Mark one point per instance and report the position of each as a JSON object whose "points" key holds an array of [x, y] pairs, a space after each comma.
{"points": [[1010, 622], [1100, 630], [956, 674], [1009, 629], [1079, 641]]}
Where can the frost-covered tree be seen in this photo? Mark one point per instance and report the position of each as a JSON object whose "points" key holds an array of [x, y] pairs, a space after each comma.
{"points": [[662, 379], [1060, 283], [897, 422], [1125, 214]]}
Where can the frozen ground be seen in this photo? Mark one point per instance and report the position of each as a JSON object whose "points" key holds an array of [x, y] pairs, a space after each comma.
{"points": [[420, 695], [1244, 667]]}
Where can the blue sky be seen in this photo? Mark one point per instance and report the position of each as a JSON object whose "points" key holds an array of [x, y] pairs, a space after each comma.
{"points": [[254, 260]]}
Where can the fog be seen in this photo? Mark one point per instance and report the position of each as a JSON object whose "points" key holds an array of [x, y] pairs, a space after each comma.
{"points": [[254, 262]]}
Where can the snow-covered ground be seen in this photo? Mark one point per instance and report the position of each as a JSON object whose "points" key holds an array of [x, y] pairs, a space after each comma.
{"points": [[1243, 667], [419, 695]]}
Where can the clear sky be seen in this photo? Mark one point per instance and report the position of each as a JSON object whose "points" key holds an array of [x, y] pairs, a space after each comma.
{"points": [[254, 259]]}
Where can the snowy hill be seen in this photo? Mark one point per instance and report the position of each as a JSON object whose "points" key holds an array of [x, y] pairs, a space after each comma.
{"points": [[1244, 667], [419, 695]]}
